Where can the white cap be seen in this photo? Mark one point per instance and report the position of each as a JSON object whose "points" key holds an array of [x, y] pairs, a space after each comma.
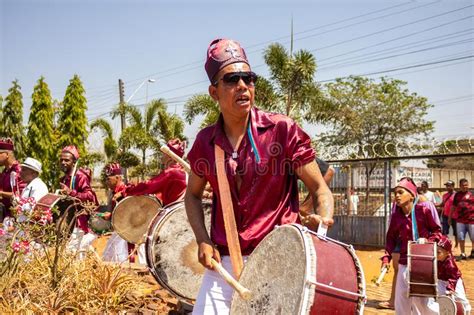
{"points": [[33, 164]]}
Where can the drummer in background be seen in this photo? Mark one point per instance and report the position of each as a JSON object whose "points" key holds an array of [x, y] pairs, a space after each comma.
{"points": [[449, 275], [76, 183], [265, 154], [10, 175], [36, 188], [117, 249], [400, 231], [168, 186]]}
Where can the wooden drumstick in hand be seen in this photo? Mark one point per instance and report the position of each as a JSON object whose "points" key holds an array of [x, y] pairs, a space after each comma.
{"points": [[243, 292], [165, 149], [382, 274]]}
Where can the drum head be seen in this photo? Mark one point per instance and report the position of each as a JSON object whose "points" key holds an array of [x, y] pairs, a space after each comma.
{"points": [[97, 223], [446, 306], [276, 274], [171, 251], [132, 216]]}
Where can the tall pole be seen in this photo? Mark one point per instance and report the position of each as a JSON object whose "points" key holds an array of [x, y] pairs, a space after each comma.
{"points": [[122, 121]]}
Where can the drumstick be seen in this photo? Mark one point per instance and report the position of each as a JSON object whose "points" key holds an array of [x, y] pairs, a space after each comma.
{"points": [[382, 274], [243, 292], [165, 149]]}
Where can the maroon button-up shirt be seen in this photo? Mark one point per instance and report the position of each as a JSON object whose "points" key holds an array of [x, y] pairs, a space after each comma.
{"points": [[268, 194], [120, 188], [82, 190], [464, 207], [449, 271], [168, 186], [5, 185], [400, 230]]}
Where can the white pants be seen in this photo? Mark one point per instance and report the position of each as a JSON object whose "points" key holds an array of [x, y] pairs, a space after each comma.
{"points": [[405, 305], [116, 249], [141, 254], [215, 295], [80, 242], [459, 293]]}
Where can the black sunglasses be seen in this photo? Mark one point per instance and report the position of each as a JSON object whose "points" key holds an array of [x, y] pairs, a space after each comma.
{"points": [[249, 78]]}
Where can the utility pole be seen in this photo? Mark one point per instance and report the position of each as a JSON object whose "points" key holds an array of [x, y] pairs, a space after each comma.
{"points": [[122, 121]]}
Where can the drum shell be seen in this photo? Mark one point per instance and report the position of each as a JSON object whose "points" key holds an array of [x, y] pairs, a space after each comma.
{"points": [[67, 207], [336, 265], [422, 271]]}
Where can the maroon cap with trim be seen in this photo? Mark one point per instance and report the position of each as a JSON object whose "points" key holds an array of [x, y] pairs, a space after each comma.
{"points": [[71, 149], [113, 169], [6, 144], [221, 53]]}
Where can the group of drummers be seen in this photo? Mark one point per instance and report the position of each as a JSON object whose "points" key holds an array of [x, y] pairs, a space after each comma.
{"points": [[251, 160]]}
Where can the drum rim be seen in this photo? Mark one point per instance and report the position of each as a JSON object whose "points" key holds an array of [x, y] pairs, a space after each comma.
{"points": [[158, 222], [127, 198], [453, 302]]}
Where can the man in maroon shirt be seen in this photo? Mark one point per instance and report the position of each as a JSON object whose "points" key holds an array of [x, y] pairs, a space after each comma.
{"points": [[463, 209], [10, 181], [265, 154], [400, 232], [76, 183], [168, 186]]}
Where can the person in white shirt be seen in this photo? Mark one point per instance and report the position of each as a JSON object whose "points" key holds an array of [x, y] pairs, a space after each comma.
{"points": [[425, 192], [36, 188]]}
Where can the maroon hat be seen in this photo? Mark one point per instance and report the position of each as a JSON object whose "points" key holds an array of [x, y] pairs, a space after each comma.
{"points": [[408, 184], [223, 52], [71, 149], [177, 146], [113, 169], [6, 144], [444, 242]]}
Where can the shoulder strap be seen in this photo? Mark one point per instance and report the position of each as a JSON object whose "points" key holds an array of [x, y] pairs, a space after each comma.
{"points": [[414, 225], [228, 213]]}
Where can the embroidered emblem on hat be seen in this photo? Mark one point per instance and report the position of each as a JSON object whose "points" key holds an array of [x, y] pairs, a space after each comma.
{"points": [[233, 51]]}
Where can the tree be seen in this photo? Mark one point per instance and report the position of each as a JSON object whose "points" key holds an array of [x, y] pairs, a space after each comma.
{"points": [[292, 89], [201, 104], [147, 131], [40, 131], [375, 115], [110, 145], [72, 122], [12, 120]]}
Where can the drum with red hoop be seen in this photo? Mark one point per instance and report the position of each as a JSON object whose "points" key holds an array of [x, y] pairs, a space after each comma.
{"points": [[448, 305], [422, 269], [67, 208], [132, 216], [171, 251], [296, 271]]}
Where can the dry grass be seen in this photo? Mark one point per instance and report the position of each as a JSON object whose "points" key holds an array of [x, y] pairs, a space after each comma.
{"points": [[87, 286]]}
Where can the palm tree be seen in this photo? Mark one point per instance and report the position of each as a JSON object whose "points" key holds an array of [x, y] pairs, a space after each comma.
{"points": [[110, 145]]}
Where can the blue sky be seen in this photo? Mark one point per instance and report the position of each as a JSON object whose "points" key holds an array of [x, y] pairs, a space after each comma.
{"points": [[103, 41]]}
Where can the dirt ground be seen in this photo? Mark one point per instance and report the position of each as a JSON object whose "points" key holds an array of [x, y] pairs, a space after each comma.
{"points": [[371, 264]]}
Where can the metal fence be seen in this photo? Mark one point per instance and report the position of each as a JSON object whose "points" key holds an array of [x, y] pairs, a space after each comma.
{"points": [[363, 203]]}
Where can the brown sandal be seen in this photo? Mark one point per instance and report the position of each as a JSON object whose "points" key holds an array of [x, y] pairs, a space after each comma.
{"points": [[386, 305]]}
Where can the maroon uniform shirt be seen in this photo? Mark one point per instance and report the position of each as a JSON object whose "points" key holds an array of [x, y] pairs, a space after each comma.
{"points": [[268, 194], [463, 203], [120, 188], [449, 271], [168, 186], [5, 185], [82, 190], [400, 230]]}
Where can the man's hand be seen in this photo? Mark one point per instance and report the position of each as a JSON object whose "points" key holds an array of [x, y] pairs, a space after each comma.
{"points": [[312, 221], [207, 251], [385, 265], [117, 196], [65, 189], [107, 215]]}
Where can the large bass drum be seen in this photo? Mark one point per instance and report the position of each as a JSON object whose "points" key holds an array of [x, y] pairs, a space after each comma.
{"points": [[296, 271], [67, 208], [171, 251], [132, 216]]}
